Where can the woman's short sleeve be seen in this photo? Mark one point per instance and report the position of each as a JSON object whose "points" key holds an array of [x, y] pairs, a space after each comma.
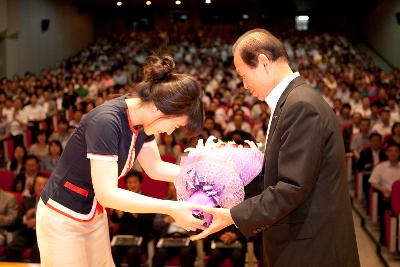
{"points": [[102, 137]]}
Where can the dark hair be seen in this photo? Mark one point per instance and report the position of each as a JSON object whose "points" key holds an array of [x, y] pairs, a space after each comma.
{"points": [[57, 143], [40, 132], [29, 157], [14, 163], [172, 93], [346, 105], [375, 134], [366, 119], [259, 41], [389, 145], [394, 127], [133, 173]]}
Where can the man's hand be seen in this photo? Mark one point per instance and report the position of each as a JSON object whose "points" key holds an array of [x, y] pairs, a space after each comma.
{"points": [[221, 219], [386, 193]]}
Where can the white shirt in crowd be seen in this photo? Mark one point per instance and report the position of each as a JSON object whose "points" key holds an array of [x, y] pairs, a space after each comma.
{"points": [[365, 113], [383, 130], [35, 113], [355, 106], [17, 128], [385, 174], [8, 113], [375, 156]]}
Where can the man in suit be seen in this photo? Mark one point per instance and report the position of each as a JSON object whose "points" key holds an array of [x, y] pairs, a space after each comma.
{"points": [[369, 158], [304, 210]]}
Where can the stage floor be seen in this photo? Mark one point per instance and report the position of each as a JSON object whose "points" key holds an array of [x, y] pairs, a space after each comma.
{"points": [[18, 264]]}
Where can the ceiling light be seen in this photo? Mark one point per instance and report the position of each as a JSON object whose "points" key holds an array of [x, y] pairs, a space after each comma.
{"points": [[208, 1], [245, 16], [148, 3], [303, 18], [119, 3], [178, 2]]}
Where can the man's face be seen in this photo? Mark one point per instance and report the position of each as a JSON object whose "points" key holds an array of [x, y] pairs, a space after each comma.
{"points": [[31, 167], [255, 80], [40, 183], [238, 120], [133, 184], [364, 126], [33, 99], [209, 124], [375, 142], [385, 116]]}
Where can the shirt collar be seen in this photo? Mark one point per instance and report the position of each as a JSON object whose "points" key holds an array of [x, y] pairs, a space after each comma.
{"points": [[273, 97]]}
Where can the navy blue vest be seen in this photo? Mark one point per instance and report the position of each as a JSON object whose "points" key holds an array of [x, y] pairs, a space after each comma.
{"points": [[104, 133]]}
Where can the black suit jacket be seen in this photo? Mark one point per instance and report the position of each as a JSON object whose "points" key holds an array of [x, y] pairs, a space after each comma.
{"points": [[366, 161], [304, 211]]}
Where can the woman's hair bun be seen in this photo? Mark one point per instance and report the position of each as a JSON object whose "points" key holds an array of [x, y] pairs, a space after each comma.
{"points": [[158, 69]]}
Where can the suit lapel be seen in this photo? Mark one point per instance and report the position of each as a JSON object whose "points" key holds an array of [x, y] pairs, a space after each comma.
{"points": [[275, 117]]}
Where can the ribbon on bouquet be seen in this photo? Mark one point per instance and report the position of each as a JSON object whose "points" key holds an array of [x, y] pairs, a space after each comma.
{"points": [[199, 183], [203, 193]]}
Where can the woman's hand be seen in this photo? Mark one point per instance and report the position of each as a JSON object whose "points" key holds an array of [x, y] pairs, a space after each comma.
{"points": [[221, 219], [182, 214]]}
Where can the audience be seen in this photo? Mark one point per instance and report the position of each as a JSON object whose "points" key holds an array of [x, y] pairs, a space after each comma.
{"points": [[131, 224], [25, 236], [382, 177], [165, 226], [8, 213], [53, 102]]}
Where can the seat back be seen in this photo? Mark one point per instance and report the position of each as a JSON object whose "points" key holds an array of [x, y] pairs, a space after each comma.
{"points": [[6, 180], [396, 197], [154, 188]]}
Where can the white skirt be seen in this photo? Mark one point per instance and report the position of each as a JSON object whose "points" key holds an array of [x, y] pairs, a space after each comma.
{"points": [[65, 242]]}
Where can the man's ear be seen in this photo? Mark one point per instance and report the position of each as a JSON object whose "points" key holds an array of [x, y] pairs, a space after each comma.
{"points": [[263, 60]]}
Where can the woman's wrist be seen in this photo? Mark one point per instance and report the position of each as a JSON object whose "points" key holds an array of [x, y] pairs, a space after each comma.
{"points": [[170, 207]]}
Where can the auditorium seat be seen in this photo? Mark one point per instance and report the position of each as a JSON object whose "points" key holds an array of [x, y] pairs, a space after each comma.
{"points": [[155, 188], [8, 149], [392, 219], [6, 180], [28, 138], [373, 205], [26, 254]]}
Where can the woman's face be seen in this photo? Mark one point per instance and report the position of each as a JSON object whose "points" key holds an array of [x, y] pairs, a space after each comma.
{"points": [[54, 149], [397, 130], [19, 153], [165, 125]]}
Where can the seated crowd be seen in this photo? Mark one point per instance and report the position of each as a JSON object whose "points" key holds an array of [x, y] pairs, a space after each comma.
{"points": [[38, 113]]}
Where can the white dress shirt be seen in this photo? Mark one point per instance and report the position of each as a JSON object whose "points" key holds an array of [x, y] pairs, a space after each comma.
{"points": [[273, 97], [385, 174]]}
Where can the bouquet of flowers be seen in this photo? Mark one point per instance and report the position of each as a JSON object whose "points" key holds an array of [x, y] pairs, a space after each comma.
{"points": [[215, 173]]}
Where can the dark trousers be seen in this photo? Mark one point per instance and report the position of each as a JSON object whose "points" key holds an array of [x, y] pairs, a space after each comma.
{"points": [[384, 204], [186, 255], [18, 140], [218, 255], [23, 239], [133, 255]]}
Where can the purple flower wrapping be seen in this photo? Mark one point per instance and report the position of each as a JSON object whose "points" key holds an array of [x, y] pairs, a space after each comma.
{"points": [[217, 176]]}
